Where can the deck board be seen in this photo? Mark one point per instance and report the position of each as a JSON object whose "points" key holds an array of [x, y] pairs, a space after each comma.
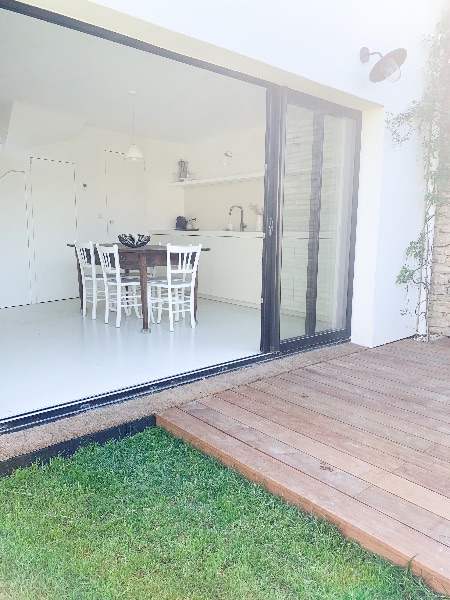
{"points": [[362, 440], [387, 404], [395, 449], [393, 392], [330, 469]]}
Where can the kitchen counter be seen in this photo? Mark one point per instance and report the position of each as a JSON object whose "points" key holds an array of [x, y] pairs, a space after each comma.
{"points": [[204, 233], [231, 271]]}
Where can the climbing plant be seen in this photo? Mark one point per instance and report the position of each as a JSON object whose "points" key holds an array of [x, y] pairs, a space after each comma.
{"points": [[430, 118]]}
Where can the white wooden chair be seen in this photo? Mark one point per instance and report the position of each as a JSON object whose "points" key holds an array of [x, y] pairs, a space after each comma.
{"points": [[175, 293], [120, 292], [89, 277]]}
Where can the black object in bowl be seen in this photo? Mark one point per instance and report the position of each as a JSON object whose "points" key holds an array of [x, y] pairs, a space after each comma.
{"points": [[134, 240], [181, 223]]}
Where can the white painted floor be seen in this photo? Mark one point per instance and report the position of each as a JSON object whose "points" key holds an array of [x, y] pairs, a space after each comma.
{"points": [[51, 354]]}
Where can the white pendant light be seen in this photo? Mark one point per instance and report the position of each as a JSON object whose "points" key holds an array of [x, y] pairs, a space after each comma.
{"points": [[134, 152]]}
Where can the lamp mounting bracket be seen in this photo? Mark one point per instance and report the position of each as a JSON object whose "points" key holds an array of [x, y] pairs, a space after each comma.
{"points": [[365, 54]]}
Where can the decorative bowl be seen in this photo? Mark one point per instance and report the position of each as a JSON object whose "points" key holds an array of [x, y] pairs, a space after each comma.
{"points": [[134, 240]]}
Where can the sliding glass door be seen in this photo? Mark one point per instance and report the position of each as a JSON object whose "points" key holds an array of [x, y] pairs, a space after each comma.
{"points": [[313, 198]]}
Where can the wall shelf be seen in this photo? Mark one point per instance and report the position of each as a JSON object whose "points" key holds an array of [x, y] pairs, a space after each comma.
{"points": [[218, 180]]}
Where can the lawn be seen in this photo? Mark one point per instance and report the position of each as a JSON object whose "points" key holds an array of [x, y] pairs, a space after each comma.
{"points": [[152, 518]]}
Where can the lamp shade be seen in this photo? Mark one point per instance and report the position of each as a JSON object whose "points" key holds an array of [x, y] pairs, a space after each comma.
{"points": [[390, 70], [388, 67], [134, 153]]}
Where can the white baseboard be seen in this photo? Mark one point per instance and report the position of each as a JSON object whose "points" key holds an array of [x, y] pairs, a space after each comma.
{"points": [[229, 301]]}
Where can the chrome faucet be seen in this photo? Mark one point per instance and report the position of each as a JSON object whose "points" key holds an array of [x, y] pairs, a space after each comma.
{"points": [[242, 225]]}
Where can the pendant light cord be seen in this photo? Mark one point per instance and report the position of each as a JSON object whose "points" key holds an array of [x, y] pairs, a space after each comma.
{"points": [[133, 119]]}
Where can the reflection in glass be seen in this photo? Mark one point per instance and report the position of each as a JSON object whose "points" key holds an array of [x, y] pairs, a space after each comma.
{"points": [[297, 194], [316, 222], [335, 223]]}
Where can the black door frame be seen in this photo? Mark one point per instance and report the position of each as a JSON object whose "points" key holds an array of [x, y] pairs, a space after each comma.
{"points": [[277, 101], [276, 104], [277, 98]]}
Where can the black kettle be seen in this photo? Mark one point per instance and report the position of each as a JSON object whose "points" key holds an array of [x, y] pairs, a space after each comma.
{"points": [[181, 223]]}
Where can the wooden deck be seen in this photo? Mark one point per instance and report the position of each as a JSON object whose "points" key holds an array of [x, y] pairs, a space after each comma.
{"points": [[362, 440]]}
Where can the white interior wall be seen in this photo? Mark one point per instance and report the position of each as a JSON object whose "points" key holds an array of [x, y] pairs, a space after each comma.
{"points": [[89, 214], [93, 214], [205, 155], [87, 152], [13, 235], [211, 203]]}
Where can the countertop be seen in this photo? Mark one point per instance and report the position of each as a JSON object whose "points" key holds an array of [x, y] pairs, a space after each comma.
{"points": [[204, 233]]}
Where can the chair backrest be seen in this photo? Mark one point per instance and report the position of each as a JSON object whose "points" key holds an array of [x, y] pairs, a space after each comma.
{"points": [[109, 261], [182, 262], [86, 258]]}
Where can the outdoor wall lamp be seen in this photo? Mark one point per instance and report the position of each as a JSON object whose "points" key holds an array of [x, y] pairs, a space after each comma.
{"points": [[388, 67]]}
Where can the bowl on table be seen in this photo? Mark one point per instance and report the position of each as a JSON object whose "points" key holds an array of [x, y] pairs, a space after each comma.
{"points": [[134, 240]]}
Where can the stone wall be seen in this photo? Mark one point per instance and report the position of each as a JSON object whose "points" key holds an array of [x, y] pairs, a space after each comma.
{"points": [[439, 300]]}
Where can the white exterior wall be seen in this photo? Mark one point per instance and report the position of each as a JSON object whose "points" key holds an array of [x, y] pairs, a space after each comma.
{"points": [[314, 47]]}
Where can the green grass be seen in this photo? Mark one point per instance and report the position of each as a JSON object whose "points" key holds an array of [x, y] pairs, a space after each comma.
{"points": [[152, 518]]}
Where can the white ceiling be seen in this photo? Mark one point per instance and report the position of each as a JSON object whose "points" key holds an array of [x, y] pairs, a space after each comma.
{"points": [[56, 68]]}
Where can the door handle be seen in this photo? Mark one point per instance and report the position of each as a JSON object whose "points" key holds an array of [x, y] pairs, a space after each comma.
{"points": [[270, 226]]}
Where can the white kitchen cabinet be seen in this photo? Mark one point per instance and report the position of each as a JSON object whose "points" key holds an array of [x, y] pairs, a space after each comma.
{"points": [[231, 270], [160, 238], [182, 239]]}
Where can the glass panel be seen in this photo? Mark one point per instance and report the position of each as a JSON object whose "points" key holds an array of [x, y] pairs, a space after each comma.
{"points": [[335, 223], [296, 214], [318, 188]]}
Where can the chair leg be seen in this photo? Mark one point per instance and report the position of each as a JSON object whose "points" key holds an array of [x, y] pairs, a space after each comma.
{"points": [[158, 318], [106, 304], [170, 302], [183, 305], [135, 304], [94, 298], [191, 307], [84, 299], [151, 316], [176, 298], [118, 305], [126, 305]]}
